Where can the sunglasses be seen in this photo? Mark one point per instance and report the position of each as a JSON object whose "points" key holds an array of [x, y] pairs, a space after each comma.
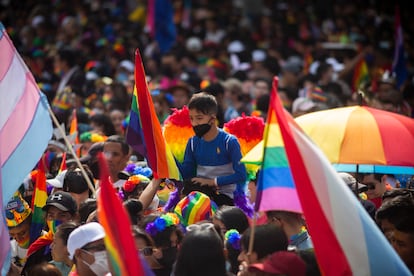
{"points": [[371, 187]]}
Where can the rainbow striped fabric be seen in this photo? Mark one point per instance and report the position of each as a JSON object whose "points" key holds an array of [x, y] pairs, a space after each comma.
{"points": [[346, 239], [38, 201], [144, 132], [275, 186], [25, 126], [360, 76], [195, 207], [119, 242]]}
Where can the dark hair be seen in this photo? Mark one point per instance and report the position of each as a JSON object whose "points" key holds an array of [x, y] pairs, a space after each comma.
{"points": [[162, 238], [232, 217], [45, 269], [289, 217], [104, 121], [133, 207], [75, 182], [262, 103], [377, 176], [268, 238], [308, 256], [65, 229], [68, 55], [201, 252], [137, 232], [395, 210], [232, 257], [214, 89], [86, 208], [121, 140], [203, 102], [397, 192]]}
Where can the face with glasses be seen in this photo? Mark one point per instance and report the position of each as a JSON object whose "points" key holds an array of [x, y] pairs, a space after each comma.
{"points": [[375, 188]]}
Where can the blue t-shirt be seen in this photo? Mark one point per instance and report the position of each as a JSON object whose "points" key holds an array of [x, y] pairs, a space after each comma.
{"points": [[218, 158]]}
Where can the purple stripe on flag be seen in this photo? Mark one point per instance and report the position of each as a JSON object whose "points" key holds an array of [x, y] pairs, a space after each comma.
{"points": [[18, 122]]}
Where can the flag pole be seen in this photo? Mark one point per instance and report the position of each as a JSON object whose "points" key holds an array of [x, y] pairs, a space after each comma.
{"points": [[251, 238], [69, 146]]}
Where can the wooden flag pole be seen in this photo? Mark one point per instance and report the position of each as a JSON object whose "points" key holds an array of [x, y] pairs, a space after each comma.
{"points": [[69, 146]]}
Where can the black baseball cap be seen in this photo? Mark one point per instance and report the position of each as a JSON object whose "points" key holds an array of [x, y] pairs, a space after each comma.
{"points": [[74, 182], [63, 201]]}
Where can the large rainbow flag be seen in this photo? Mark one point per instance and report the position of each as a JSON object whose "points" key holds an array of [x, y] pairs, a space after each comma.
{"points": [[119, 242], [345, 238], [25, 128], [275, 186], [144, 132]]}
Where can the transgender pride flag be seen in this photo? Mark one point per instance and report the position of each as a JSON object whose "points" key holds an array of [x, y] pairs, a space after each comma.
{"points": [[346, 239], [25, 127]]}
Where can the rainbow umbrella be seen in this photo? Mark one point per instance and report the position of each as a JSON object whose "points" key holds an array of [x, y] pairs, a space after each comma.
{"points": [[359, 139]]}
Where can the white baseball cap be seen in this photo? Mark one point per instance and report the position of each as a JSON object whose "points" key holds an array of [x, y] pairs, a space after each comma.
{"points": [[57, 182], [83, 235]]}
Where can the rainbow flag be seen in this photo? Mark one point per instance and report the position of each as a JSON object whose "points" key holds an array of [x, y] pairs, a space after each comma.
{"points": [[361, 75], [144, 132], [119, 242], [275, 186], [307, 61], [73, 132], [346, 239], [38, 201], [23, 116]]}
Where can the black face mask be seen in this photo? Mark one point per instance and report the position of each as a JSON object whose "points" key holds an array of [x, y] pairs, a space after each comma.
{"points": [[168, 257], [202, 129]]}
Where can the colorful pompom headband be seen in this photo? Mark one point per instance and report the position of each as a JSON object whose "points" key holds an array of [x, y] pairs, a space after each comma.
{"points": [[161, 223], [133, 181], [134, 169], [232, 236]]}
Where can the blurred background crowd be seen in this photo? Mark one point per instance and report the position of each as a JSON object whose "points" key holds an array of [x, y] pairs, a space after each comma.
{"points": [[82, 55]]}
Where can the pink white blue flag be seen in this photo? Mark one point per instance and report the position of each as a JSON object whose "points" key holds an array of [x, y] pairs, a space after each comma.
{"points": [[25, 127]]}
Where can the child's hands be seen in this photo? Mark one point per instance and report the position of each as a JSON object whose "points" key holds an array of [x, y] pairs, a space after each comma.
{"points": [[204, 181]]}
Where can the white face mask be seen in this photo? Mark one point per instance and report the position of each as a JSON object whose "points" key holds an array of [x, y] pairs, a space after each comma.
{"points": [[100, 265]]}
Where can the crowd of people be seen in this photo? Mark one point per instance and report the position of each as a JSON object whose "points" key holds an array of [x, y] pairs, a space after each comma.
{"points": [[220, 67]]}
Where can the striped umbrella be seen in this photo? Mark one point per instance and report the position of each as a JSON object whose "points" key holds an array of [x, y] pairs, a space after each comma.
{"points": [[358, 139], [363, 136]]}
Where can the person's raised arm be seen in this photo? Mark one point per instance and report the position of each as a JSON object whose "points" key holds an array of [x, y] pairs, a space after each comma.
{"points": [[149, 192]]}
